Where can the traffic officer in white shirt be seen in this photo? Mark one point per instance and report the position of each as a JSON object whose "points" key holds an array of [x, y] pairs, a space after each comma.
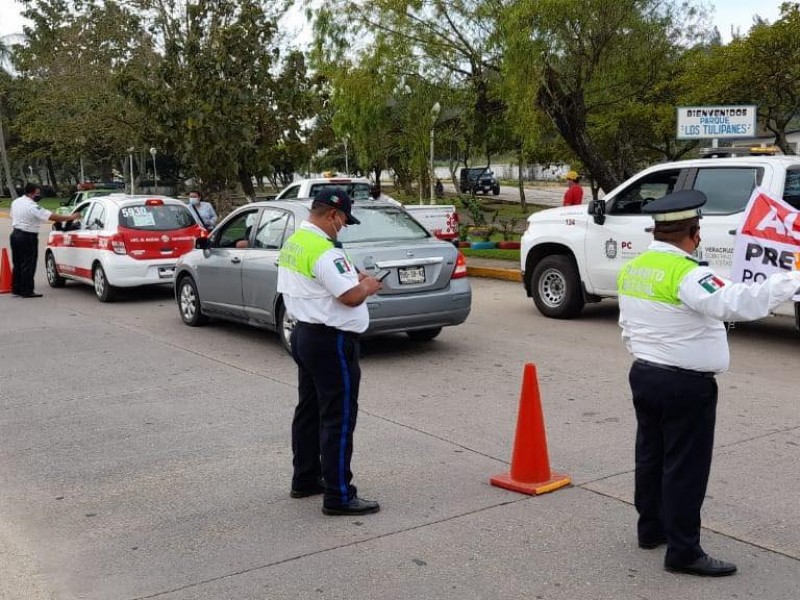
{"points": [[26, 218], [325, 295], [672, 313]]}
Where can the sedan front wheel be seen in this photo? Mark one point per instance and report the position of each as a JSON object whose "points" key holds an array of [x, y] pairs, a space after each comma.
{"points": [[189, 303]]}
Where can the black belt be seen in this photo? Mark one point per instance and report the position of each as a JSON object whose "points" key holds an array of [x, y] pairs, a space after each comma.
{"points": [[325, 328], [647, 363], [25, 232]]}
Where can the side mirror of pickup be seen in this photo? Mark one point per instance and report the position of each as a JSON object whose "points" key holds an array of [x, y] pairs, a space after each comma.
{"points": [[597, 208], [202, 243]]}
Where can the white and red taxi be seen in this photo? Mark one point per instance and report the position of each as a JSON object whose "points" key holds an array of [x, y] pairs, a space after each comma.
{"points": [[121, 241]]}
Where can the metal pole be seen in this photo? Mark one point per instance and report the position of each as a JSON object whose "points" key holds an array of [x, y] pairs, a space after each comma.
{"points": [[346, 164], [433, 191], [133, 190], [83, 177]]}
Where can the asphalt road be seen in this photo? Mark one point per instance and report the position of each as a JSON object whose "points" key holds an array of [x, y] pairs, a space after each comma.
{"points": [[141, 458]]}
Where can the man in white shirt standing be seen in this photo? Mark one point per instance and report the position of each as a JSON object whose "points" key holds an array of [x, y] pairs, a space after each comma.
{"points": [[326, 296], [26, 218], [205, 210], [672, 313]]}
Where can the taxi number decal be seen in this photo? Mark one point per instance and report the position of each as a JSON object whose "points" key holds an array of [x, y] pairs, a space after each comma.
{"points": [[570, 221], [134, 211]]}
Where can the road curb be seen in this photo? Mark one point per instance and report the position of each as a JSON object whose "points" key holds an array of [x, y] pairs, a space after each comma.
{"points": [[494, 273]]}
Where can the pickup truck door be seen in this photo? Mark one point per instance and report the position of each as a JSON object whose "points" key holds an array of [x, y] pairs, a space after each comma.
{"points": [[626, 231], [727, 189]]}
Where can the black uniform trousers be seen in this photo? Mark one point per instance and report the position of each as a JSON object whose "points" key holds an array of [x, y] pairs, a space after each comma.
{"points": [[24, 254], [325, 417], [676, 413]]}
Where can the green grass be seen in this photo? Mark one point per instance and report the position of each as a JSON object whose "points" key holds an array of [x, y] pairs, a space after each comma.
{"points": [[510, 255], [48, 203]]}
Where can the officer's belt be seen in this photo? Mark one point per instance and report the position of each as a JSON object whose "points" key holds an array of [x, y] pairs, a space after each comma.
{"points": [[325, 328], [647, 363]]}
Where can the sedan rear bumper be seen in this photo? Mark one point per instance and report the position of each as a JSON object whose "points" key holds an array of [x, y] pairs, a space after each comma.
{"points": [[441, 308]]}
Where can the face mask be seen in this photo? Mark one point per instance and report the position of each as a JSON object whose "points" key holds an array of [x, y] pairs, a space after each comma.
{"points": [[194, 201]]}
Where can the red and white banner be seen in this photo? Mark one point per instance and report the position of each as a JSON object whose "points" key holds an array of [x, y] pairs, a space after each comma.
{"points": [[768, 239]]}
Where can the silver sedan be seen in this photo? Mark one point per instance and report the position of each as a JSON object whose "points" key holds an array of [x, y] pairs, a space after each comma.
{"points": [[232, 275]]}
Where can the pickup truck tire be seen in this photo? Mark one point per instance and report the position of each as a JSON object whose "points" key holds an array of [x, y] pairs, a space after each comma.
{"points": [[424, 335], [556, 287]]}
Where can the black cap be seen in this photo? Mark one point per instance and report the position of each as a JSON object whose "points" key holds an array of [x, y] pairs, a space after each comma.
{"points": [[338, 199], [677, 206]]}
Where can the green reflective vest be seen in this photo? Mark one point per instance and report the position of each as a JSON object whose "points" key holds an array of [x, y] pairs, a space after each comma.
{"points": [[654, 276], [302, 250]]}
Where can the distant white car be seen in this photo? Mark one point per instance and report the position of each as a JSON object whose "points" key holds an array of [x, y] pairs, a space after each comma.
{"points": [[121, 241]]}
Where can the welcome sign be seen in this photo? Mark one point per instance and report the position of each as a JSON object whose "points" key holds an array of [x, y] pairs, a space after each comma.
{"points": [[704, 122]]}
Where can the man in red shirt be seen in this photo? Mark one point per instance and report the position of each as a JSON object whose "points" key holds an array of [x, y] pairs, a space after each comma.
{"points": [[574, 193]]}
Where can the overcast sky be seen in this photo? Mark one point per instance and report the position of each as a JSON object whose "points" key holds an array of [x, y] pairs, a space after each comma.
{"points": [[727, 13]]}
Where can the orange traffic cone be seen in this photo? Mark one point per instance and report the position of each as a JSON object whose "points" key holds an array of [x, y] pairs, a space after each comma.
{"points": [[530, 465], [5, 273]]}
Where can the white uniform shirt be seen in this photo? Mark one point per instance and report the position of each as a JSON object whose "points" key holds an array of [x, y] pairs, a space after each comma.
{"points": [[691, 335], [316, 300], [27, 215]]}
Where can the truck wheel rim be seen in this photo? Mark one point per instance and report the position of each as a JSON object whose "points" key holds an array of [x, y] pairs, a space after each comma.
{"points": [[552, 288], [188, 302]]}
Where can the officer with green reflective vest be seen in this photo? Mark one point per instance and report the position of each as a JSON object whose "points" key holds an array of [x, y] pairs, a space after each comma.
{"points": [[672, 314], [325, 295]]}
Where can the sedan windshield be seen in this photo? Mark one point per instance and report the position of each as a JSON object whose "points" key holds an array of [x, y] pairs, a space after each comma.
{"points": [[382, 224]]}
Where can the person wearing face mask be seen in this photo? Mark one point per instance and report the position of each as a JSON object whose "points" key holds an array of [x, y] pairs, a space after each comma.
{"points": [[205, 211], [326, 296], [26, 218], [672, 314]]}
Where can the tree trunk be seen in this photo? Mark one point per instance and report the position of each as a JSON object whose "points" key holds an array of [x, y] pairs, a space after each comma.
{"points": [[51, 174], [4, 156], [522, 200], [567, 109], [246, 182]]}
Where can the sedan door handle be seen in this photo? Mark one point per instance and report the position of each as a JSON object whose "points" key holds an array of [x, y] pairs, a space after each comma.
{"points": [[236, 260]]}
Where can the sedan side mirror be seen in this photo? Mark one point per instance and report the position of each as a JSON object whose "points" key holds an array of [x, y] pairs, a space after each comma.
{"points": [[202, 243], [597, 208]]}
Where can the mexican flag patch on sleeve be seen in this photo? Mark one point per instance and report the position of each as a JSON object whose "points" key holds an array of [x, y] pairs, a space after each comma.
{"points": [[341, 265], [711, 283]]}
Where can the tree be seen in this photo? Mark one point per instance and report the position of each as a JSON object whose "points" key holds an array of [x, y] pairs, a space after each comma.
{"points": [[5, 78], [762, 68], [595, 66]]}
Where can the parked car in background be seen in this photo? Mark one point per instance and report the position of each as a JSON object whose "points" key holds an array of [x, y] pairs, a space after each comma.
{"points": [[478, 179], [233, 274], [356, 187], [121, 241], [68, 206]]}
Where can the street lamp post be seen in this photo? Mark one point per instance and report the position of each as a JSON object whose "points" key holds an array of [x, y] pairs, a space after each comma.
{"points": [[130, 155], [83, 177], [153, 153], [346, 161], [434, 116]]}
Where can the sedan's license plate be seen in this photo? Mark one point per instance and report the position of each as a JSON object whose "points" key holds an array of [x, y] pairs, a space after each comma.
{"points": [[166, 272], [411, 275]]}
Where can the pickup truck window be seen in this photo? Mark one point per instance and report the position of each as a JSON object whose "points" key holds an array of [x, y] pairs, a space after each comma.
{"points": [[356, 191], [651, 187], [791, 189], [290, 192], [382, 224], [727, 188]]}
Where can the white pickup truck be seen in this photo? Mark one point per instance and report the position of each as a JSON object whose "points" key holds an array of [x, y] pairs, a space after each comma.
{"points": [[572, 255], [440, 220]]}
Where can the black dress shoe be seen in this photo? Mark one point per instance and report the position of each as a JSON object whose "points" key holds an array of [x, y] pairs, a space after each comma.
{"points": [[356, 506], [307, 492], [31, 295], [706, 566], [652, 544]]}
